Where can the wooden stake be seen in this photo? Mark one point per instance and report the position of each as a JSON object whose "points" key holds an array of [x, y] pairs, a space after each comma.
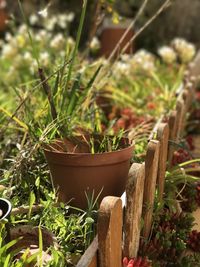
{"points": [[172, 135], [163, 138], [151, 171], [133, 211], [110, 232], [180, 115], [89, 258]]}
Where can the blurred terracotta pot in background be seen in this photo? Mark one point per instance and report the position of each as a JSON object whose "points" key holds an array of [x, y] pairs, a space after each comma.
{"points": [[110, 36], [3, 18]]}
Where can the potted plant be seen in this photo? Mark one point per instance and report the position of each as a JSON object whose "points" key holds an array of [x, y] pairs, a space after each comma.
{"points": [[81, 160], [27, 246], [79, 166], [33, 239]]}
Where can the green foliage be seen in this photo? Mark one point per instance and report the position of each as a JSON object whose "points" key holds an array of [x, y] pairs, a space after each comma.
{"points": [[71, 87], [168, 238], [8, 256], [190, 260], [175, 181]]}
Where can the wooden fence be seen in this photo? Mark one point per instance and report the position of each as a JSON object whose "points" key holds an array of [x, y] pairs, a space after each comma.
{"points": [[119, 220]]}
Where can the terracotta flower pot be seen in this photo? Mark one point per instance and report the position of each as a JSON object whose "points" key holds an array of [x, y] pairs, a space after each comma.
{"points": [[78, 171], [30, 239], [110, 36], [3, 18]]}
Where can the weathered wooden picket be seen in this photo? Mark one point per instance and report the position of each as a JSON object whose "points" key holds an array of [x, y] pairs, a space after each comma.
{"points": [[119, 220]]}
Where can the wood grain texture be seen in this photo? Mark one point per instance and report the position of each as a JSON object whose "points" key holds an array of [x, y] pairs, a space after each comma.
{"points": [[187, 98], [133, 211], [110, 232], [194, 68], [191, 88], [196, 143], [89, 258], [163, 138], [172, 135], [180, 115], [151, 171], [172, 124]]}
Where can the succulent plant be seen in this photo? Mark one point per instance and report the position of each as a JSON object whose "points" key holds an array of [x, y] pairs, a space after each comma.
{"points": [[180, 156], [193, 241], [169, 238], [137, 262]]}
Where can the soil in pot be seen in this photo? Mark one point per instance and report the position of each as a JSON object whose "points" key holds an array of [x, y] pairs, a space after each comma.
{"points": [[78, 171]]}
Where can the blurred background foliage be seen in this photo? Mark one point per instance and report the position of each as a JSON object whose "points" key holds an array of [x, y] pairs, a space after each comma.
{"points": [[180, 19]]}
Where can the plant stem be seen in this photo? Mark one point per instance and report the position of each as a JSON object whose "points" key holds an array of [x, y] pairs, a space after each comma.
{"points": [[35, 51], [131, 25], [165, 5], [82, 19], [47, 91]]}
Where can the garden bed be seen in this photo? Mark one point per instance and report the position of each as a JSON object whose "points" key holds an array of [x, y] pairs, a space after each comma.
{"points": [[142, 183], [155, 162], [86, 98]]}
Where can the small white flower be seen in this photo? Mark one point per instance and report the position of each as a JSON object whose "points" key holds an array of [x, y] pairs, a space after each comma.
{"points": [[82, 70], [19, 146], [95, 44], [70, 17], [44, 59], [167, 54], [70, 41], [178, 43], [143, 61], [51, 23], [62, 21], [28, 57], [42, 36], [148, 66], [121, 68], [33, 19], [185, 50], [33, 67], [44, 12], [9, 51], [125, 57], [22, 29], [57, 42], [8, 37], [62, 54]]}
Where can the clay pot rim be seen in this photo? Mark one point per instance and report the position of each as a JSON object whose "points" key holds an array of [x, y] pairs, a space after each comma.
{"points": [[25, 230], [46, 145]]}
